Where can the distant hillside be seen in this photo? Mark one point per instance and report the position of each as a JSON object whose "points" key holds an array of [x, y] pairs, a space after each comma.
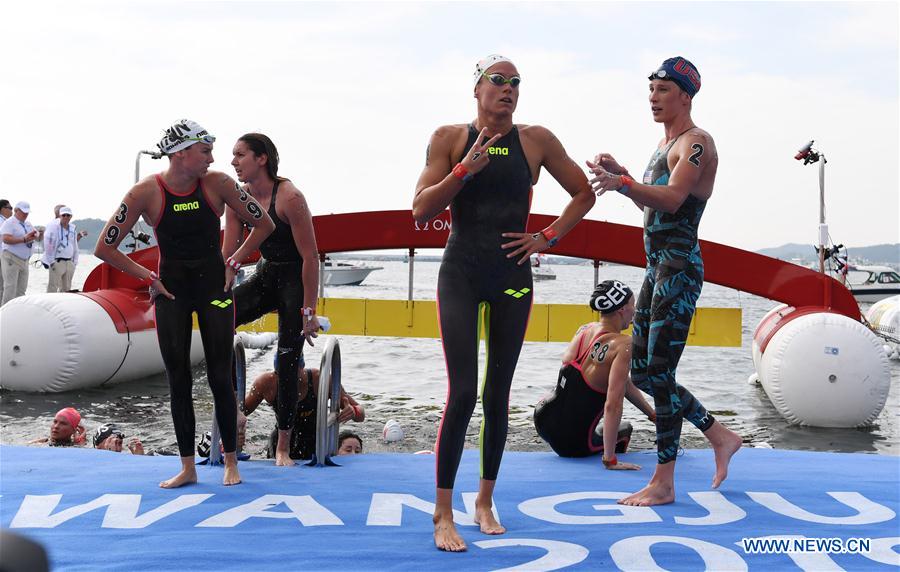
{"points": [[877, 254]]}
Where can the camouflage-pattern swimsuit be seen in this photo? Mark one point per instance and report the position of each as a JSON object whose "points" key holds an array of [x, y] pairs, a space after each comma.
{"points": [[665, 306]]}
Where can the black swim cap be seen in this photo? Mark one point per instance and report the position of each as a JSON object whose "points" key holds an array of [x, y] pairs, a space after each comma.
{"points": [[105, 431], [609, 296]]}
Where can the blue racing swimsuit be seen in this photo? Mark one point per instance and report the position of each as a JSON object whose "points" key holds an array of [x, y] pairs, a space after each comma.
{"points": [[475, 273], [665, 306]]}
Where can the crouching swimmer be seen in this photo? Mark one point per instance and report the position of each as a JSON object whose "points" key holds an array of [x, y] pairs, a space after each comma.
{"points": [[592, 383]]}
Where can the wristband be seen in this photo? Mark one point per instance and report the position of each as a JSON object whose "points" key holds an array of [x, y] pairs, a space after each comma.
{"points": [[461, 173], [308, 312], [626, 184], [355, 412], [233, 264], [610, 462], [551, 236]]}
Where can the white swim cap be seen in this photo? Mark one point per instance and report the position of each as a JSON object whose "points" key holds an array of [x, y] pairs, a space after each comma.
{"points": [[182, 134], [392, 431], [485, 63]]}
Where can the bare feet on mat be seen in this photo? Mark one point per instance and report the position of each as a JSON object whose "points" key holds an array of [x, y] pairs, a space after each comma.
{"points": [[484, 517], [445, 536], [184, 477]]}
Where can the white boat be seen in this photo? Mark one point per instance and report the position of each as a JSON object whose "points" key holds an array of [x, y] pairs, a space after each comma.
{"points": [[870, 284], [346, 274], [540, 270]]}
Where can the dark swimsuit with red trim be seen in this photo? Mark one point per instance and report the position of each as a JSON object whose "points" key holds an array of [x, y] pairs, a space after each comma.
{"points": [[568, 418]]}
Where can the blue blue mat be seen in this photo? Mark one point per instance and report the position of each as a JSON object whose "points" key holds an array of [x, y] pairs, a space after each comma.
{"points": [[95, 510]]}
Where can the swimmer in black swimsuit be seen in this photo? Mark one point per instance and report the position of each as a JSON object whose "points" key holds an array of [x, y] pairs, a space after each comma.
{"points": [[183, 204], [485, 172], [593, 382], [287, 276], [303, 433], [673, 194]]}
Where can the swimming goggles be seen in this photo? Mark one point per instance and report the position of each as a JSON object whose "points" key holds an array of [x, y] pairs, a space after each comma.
{"points": [[500, 80]]}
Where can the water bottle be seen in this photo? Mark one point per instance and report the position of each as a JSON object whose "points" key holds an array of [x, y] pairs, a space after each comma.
{"points": [[324, 324]]}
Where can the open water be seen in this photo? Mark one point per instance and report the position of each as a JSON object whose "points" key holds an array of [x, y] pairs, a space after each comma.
{"points": [[404, 379]]}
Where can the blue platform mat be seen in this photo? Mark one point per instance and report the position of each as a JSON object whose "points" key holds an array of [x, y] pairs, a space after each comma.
{"points": [[96, 510]]}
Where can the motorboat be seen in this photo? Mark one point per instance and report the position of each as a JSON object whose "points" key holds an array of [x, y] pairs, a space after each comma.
{"points": [[870, 284], [540, 270], [346, 274]]}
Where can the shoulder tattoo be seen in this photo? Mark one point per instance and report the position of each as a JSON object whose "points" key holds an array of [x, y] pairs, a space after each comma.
{"points": [[697, 149]]}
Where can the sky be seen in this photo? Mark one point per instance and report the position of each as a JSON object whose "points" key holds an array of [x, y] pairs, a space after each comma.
{"points": [[351, 93]]}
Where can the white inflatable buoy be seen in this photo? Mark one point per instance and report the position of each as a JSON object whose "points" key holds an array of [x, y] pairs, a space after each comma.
{"points": [[820, 368], [392, 431], [60, 342], [884, 316]]}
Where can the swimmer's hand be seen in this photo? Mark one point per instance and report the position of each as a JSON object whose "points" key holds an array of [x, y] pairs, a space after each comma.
{"points": [[603, 180], [136, 447], [620, 466], [477, 157], [311, 328], [157, 288], [230, 273], [607, 161], [524, 243]]}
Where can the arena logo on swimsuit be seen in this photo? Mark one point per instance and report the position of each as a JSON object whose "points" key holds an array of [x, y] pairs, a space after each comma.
{"points": [[191, 206], [498, 150]]}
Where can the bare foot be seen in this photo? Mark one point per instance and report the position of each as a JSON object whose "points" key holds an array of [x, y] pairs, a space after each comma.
{"points": [[184, 477], [445, 535], [232, 476], [283, 450], [654, 493], [484, 517], [283, 459], [725, 447]]}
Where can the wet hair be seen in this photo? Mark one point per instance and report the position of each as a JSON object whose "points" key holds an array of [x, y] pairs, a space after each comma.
{"points": [[261, 145], [346, 434]]}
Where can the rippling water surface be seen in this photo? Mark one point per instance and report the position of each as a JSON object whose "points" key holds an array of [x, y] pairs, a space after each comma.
{"points": [[404, 379]]}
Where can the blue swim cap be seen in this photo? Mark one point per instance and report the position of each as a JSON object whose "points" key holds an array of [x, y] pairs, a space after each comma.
{"points": [[682, 72]]}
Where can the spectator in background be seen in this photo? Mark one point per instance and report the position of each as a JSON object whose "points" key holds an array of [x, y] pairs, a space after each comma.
{"points": [[6, 211], [60, 251], [18, 239]]}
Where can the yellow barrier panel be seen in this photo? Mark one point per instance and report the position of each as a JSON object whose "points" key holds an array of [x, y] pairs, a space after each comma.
{"points": [[548, 322]]}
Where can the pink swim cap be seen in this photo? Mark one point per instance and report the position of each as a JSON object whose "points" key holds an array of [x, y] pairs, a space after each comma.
{"points": [[71, 415]]}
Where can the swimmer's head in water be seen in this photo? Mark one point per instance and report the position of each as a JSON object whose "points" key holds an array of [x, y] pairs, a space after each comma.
{"points": [[106, 431], [485, 64], [182, 134], [682, 72], [260, 145], [65, 423], [349, 443], [609, 296]]}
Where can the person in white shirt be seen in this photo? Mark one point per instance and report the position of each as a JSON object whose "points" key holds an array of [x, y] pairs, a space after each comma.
{"points": [[6, 210], [18, 239], [61, 251]]}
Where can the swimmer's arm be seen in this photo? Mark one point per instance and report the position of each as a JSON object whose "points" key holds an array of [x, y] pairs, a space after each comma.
{"points": [[570, 177], [249, 211], [234, 234], [697, 152], [127, 214], [259, 390], [300, 219], [636, 397], [351, 410], [436, 186], [612, 414]]}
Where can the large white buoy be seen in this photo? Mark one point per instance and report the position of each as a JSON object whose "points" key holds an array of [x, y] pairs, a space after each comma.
{"points": [[820, 368], [884, 316], [60, 342]]}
